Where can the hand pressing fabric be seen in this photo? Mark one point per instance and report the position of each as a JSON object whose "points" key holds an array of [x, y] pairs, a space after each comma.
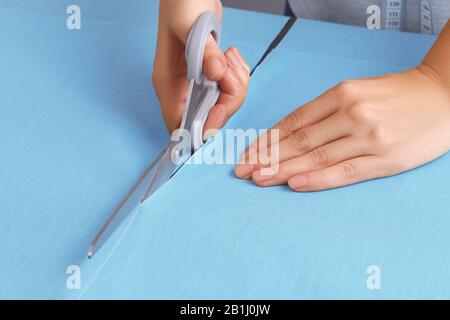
{"points": [[363, 129], [229, 69]]}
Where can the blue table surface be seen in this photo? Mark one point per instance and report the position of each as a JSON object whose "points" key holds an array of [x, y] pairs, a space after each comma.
{"points": [[79, 123]]}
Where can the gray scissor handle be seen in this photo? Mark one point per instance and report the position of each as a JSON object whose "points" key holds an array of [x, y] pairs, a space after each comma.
{"points": [[203, 93], [208, 23]]}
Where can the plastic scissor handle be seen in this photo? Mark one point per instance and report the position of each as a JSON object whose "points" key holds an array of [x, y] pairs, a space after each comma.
{"points": [[198, 105], [208, 23]]}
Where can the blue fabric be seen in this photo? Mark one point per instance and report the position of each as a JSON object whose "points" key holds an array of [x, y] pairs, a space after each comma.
{"points": [[79, 122], [245, 242]]}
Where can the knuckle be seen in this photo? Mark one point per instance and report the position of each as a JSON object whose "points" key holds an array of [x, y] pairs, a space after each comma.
{"points": [[320, 180], [156, 80], [236, 103], [292, 122], [347, 90], [360, 112], [245, 82], [299, 141], [247, 68], [240, 100], [393, 169], [379, 136], [392, 164], [397, 167], [319, 157], [284, 170], [348, 170]]}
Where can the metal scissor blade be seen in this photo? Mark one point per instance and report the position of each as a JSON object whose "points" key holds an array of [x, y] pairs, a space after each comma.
{"points": [[166, 169], [155, 176], [198, 94]]}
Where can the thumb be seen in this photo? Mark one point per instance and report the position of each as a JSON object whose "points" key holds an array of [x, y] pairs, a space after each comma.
{"points": [[214, 61]]}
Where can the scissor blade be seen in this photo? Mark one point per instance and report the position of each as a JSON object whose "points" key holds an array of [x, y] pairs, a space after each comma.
{"points": [[134, 198], [166, 169]]}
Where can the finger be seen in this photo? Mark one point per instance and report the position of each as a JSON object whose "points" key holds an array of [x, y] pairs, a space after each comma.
{"points": [[342, 174], [304, 140], [310, 113], [172, 96], [214, 61], [238, 65], [231, 95], [239, 69], [232, 90], [172, 90], [239, 62], [296, 144], [319, 158], [217, 118]]}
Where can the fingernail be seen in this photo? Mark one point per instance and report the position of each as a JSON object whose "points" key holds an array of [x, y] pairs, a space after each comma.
{"points": [[244, 171], [233, 58], [233, 76], [298, 182]]}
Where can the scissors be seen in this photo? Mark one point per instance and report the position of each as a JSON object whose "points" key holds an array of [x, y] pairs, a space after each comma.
{"points": [[202, 96]]}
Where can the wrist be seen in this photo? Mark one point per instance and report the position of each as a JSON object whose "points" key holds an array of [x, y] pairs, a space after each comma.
{"points": [[434, 75], [436, 63]]}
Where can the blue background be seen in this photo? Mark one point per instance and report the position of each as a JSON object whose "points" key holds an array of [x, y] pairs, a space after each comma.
{"points": [[79, 123]]}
